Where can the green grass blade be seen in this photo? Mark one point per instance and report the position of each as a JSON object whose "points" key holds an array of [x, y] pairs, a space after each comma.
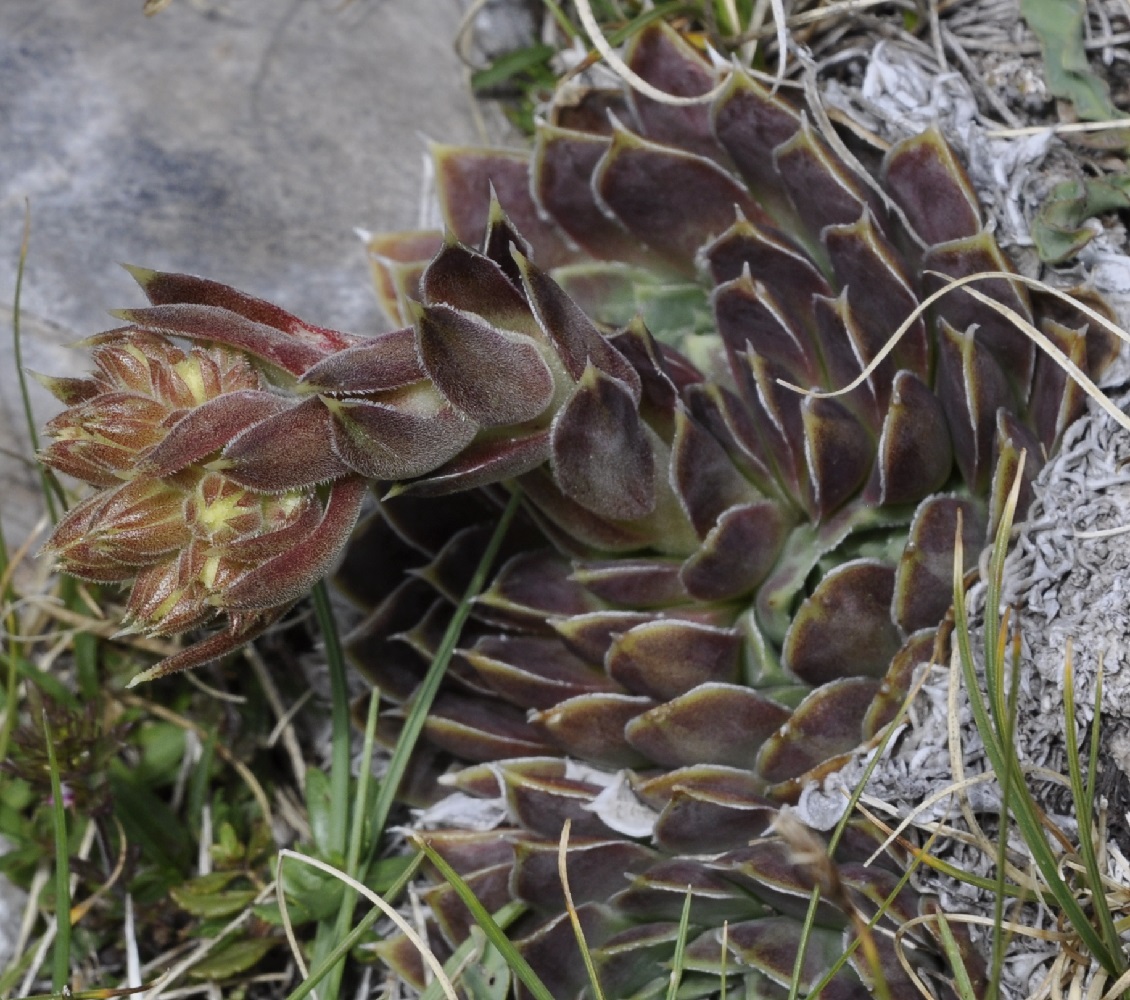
{"points": [[422, 702], [61, 953], [680, 947], [48, 484], [342, 948], [1021, 805], [962, 982], [504, 917], [342, 735], [1083, 804], [495, 934]]}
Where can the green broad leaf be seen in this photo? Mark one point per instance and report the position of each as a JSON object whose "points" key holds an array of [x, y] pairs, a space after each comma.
{"points": [[162, 750], [520, 63], [208, 898], [319, 808], [384, 873], [1058, 229], [228, 851], [1058, 24], [315, 893], [231, 959], [489, 978], [148, 822]]}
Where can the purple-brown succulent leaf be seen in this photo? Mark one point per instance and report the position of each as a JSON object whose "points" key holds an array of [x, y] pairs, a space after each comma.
{"points": [[590, 635], [1057, 400], [502, 239], [714, 723], [534, 671], [164, 288], [660, 56], [634, 583], [554, 955], [601, 453], [844, 629], [534, 586], [407, 433], [660, 892], [823, 190], [771, 945], [76, 549], [139, 522], [575, 339], [924, 581], [733, 425], [496, 377], [591, 727], [846, 353], [478, 729], [397, 262], [1014, 443], [659, 393], [703, 476], [701, 821], [715, 781], [881, 295], [915, 454], [216, 325], [750, 121], [594, 866], [241, 630], [771, 259], [133, 423], [388, 361], [738, 553], [780, 424], [481, 463], [920, 647], [672, 201], [464, 279], [972, 387], [826, 724], [838, 449], [562, 164], [469, 851], [99, 463], [209, 427], [68, 391], [667, 658], [541, 800], [289, 450], [767, 867], [975, 254], [289, 575], [751, 316], [465, 180], [491, 887], [930, 185]]}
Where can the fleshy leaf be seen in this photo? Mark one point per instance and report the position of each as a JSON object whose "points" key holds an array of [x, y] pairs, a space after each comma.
{"points": [[600, 453], [844, 629]]}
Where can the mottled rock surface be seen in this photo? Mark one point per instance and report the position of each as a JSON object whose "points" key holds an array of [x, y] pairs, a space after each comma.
{"points": [[240, 139]]}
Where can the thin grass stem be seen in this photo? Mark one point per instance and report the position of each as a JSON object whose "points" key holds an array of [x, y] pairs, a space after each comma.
{"points": [[61, 952], [425, 695]]}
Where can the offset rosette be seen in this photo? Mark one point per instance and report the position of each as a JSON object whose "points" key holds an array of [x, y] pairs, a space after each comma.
{"points": [[198, 540]]}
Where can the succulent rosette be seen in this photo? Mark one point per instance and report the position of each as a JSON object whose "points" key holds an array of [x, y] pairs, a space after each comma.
{"points": [[719, 587]]}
